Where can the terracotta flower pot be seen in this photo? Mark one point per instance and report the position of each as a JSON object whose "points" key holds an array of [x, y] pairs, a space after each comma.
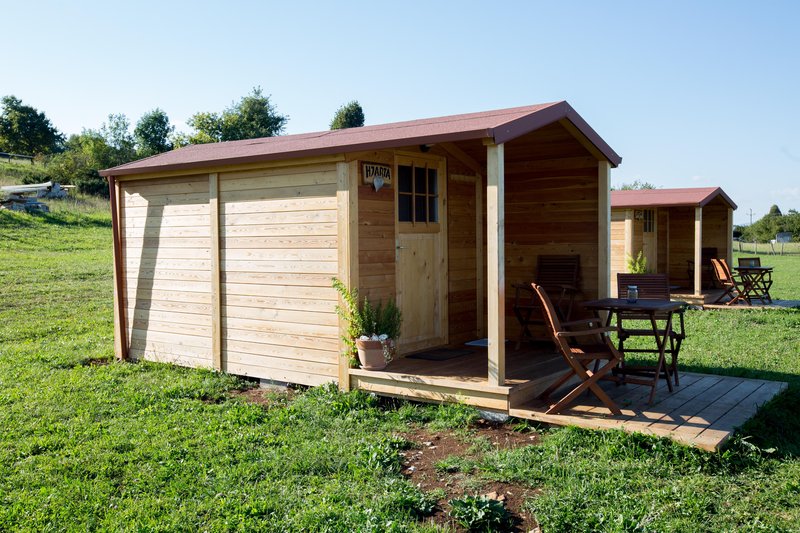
{"points": [[370, 355]]}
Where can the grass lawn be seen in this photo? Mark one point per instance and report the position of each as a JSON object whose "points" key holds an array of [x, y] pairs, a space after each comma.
{"points": [[87, 444]]}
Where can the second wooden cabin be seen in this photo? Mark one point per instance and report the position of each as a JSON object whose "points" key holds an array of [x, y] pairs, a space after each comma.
{"points": [[674, 229]]}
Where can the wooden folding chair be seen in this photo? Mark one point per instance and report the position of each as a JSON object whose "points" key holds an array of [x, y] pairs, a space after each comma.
{"points": [[651, 287], [560, 276], [579, 356], [737, 289]]}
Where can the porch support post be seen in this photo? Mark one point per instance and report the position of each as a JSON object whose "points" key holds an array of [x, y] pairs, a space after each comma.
{"points": [[120, 324], [495, 262], [347, 229], [729, 238], [627, 243], [604, 229], [698, 251]]}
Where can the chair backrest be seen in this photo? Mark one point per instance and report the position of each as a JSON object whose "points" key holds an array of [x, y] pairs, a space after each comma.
{"points": [[549, 312], [651, 286], [749, 261], [727, 267], [555, 270], [722, 271]]}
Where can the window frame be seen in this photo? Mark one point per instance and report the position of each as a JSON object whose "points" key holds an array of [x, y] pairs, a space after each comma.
{"points": [[428, 163]]}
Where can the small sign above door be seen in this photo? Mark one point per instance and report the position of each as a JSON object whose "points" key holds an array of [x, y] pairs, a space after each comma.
{"points": [[375, 171]]}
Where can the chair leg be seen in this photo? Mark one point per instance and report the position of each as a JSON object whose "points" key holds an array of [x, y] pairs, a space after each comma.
{"points": [[675, 348], [590, 380], [560, 381]]}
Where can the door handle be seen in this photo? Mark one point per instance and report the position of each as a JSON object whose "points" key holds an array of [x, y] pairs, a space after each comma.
{"points": [[401, 247]]}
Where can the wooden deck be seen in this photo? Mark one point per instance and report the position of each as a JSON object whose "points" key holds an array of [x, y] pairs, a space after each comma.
{"points": [[703, 411]]}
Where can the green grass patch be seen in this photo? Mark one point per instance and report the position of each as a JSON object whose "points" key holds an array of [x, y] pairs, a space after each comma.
{"points": [[122, 446]]}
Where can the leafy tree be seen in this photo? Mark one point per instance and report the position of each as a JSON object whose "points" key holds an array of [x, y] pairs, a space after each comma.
{"points": [[767, 227], [637, 185], [252, 117], [117, 135], [350, 115], [93, 150], [152, 133], [25, 130]]}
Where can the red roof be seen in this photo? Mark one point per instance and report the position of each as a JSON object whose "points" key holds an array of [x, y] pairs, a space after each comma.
{"points": [[501, 126], [693, 197]]}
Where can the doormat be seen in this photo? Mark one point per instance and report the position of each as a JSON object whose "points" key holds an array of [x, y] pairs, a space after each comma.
{"points": [[484, 343], [440, 354]]}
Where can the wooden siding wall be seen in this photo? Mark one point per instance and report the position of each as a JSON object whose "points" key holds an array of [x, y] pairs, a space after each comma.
{"points": [[278, 231], [376, 243], [618, 261], [550, 208], [681, 245], [662, 227], [165, 228], [463, 259], [715, 228]]}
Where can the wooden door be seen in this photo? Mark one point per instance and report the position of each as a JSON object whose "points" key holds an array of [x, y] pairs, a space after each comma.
{"points": [[421, 252], [650, 239]]}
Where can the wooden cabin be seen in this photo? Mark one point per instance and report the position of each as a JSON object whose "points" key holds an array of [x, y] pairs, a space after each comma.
{"points": [[675, 229], [224, 253]]}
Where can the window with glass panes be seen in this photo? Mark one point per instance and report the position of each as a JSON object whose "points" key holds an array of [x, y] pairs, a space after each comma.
{"points": [[417, 194], [649, 221]]}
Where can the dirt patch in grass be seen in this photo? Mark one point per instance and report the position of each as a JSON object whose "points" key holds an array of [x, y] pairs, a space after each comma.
{"points": [[430, 448], [264, 397], [97, 362]]}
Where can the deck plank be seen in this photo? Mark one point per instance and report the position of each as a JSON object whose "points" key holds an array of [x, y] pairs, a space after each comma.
{"points": [[704, 411]]}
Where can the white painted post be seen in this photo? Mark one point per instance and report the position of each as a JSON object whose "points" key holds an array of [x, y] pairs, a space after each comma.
{"points": [[698, 251], [495, 263]]}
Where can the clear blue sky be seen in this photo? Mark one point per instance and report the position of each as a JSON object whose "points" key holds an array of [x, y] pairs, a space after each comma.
{"points": [[689, 93]]}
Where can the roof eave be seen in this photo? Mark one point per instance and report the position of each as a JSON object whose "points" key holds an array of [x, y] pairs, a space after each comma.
{"points": [[125, 170], [561, 110], [714, 194]]}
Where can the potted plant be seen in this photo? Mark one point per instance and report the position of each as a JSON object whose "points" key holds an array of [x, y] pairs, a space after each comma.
{"points": [[371, 329]]}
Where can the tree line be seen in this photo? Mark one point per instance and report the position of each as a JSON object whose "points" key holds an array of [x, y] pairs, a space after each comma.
{"points": [[767, 227], [77, 159]]}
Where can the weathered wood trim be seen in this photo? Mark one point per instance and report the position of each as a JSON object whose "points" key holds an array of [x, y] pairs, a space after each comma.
{"points": [[583, 140], [347, 246], [495, 257], [604, 229], [435, 390], [461, 156], [233, 168], [698, 250], [480, 258], [120, 327], [216, 295]]}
